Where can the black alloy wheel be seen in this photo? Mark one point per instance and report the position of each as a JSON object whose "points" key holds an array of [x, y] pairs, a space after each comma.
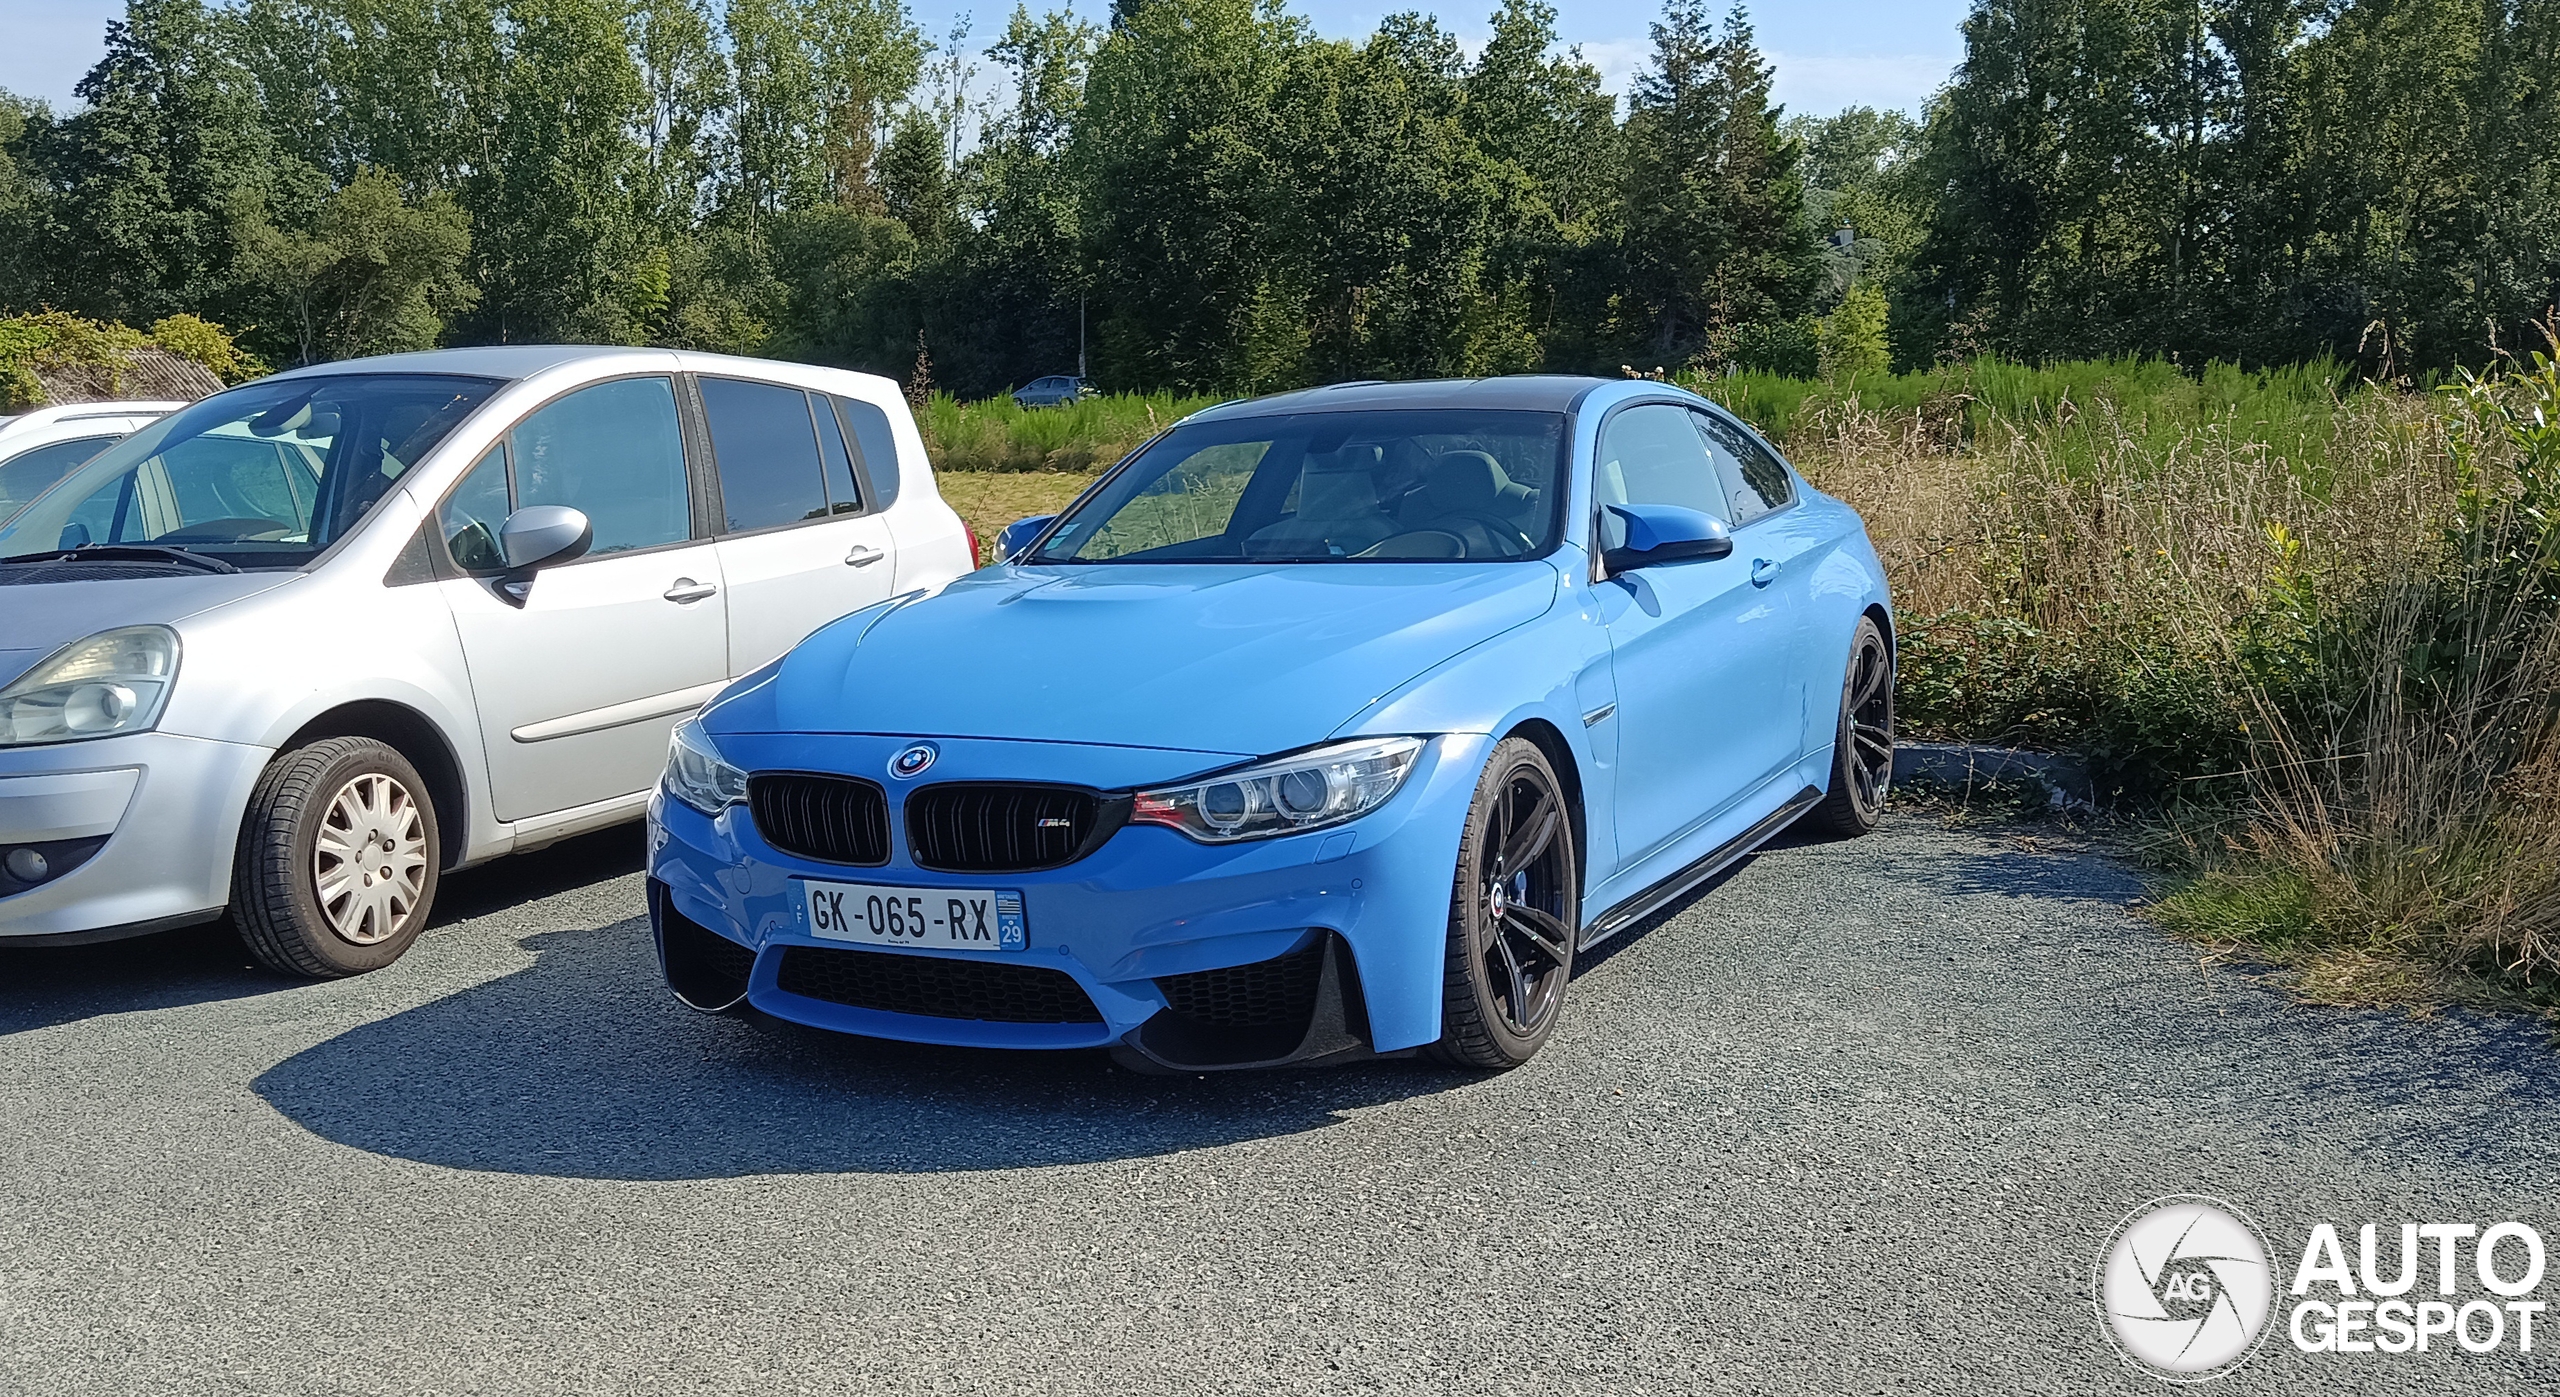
{"points": [[1513, 916], [1862, 755]]}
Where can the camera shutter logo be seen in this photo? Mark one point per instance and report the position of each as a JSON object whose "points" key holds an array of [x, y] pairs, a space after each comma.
{"points": [[912, 761], [2183, 1288]]}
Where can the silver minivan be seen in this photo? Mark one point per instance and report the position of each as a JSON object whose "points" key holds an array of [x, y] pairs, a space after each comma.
{"points": [[297, 649]]}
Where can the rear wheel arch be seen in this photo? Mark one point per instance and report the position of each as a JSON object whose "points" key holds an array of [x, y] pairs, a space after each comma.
{"points": [[413, 735]]}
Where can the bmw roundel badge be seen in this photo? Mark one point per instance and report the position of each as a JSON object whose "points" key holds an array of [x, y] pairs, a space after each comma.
{"points": [[912, 761]]}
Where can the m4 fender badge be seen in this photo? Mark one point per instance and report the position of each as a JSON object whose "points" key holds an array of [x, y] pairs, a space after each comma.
{"points": [[913, 761]]}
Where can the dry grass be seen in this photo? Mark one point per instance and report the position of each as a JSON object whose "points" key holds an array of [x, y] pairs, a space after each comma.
{"points": [[989, 500]]}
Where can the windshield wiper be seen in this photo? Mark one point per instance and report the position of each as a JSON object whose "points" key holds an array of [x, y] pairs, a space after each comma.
{"points": [[126, 553]]}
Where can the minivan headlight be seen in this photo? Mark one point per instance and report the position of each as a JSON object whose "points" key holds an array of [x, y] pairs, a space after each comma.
{"points": [[698, 775], [1310, 790], [113, 682]]}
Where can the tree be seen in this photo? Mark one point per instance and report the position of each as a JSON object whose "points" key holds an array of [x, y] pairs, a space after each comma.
{"points": [[1715, 237], [1176, 167], [1854, 344], [377, 276], [170, 142], [1557, 166]]}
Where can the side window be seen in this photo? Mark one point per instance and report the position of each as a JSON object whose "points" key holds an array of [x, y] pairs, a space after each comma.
{"points": [[29, 473], [874, 445], [470, 516], [843, 496], [1650, 454], [768, 453], [1753, 479], [614, 453]]}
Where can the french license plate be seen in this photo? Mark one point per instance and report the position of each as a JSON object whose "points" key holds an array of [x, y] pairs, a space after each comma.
{"points": [[956, 919]]}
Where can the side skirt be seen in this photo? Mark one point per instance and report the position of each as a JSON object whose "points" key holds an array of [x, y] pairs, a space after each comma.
{"points": [[1653, 899]]}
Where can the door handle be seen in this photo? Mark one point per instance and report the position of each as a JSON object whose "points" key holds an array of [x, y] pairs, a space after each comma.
{"points": [[688, 590], [863, 556], [1763, 572]]}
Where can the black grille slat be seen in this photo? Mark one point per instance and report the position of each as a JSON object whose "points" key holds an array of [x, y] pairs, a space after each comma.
{"points": [[935, 987], [967, 827], [1268, 993], [832, 819]]}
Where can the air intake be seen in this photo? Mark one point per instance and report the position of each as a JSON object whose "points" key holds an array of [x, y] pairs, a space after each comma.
{"points": [[935, 986]]}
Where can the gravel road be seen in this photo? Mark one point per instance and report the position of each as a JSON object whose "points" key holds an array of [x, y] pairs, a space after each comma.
{"points": [[1855, 1120]]}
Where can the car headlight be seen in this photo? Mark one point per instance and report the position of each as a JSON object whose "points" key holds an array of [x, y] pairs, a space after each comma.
{"points": [[1310, 790], [698, 775], [113, 682]]}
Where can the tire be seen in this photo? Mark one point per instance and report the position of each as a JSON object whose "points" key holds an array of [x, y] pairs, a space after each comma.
{"points": [[1862, 746], [1510, 953], [299, 918]]}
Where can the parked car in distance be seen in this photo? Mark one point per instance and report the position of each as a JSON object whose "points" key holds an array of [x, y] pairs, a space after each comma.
{"points": [[40, 447], [1329, 723], [1056, 390], [301, 648]]}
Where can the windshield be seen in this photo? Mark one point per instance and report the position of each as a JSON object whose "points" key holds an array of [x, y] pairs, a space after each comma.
{"points": [[265, 475], [1322, 487]]}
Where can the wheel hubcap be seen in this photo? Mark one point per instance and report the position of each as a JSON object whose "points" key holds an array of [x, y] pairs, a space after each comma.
{"points": [[1869, 723], [1525, 879], [369, 865]]}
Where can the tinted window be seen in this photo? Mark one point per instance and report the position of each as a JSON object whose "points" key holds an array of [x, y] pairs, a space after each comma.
{"points": [[873, 445], [27, 474], [768, 453], [470, 517], [1753, 479], [267, 474], [843, 496], [1440, 485], [613, 453], [1651, 454]]}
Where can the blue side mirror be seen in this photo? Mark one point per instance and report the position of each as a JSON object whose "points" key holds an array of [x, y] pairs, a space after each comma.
{"points": [[1665, 533], [1018, 535]]}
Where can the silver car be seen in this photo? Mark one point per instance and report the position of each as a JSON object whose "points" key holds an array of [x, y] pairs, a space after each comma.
{"points": [[300, 648]]}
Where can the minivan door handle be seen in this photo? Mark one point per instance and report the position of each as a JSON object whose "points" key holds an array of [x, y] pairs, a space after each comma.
{"points": [[863, 556], [1763, 572], [688, 590]]}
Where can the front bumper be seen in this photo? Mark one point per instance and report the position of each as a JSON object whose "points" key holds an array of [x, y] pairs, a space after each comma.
{"points": [[167, 809], [1366, 904]]}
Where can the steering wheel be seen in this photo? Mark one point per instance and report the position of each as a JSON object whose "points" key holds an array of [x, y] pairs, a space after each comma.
{"points": [[1446, 546], [1498, 528], [240, 530]]}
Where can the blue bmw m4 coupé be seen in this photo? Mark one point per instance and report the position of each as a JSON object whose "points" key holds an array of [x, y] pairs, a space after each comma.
{"points": [[1326, 724]]}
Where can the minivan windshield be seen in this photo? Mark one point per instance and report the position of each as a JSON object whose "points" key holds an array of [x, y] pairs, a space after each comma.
{"points": [[1412, 485], [263, 476]]}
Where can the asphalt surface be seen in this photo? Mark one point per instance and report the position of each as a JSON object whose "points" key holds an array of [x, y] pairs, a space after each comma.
{"points": [[1855, 1120]]}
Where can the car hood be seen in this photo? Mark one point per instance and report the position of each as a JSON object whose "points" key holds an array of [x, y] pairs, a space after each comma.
{"points": [[39, 618], [1215, 659]]}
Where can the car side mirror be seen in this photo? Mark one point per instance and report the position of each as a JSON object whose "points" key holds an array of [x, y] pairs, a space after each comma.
{"points": [[1665, 533], [540, 536], [74, 535], [1018, 535]]}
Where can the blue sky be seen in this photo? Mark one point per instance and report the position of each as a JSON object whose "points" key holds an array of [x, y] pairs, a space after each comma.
{"points": [[1883, 53]]}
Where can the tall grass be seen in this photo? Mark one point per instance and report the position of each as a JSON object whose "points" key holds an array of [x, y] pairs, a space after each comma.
{"points": [[1084, 436], [2326, 653]]}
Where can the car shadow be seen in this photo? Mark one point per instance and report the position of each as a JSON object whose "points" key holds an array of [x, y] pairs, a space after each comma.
{"points": [[49, 985], [582, 1066]]}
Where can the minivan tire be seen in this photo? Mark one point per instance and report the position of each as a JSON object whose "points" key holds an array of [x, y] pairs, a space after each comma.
{"points": [[368, 912]]}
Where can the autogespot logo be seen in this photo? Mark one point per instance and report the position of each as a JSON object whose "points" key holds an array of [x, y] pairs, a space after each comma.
{"points": [[2183, 1288], [912, 761]]}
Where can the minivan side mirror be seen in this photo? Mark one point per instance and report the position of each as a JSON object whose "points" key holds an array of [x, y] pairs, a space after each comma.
{"points": [[539, 536], [1018, 535], [1665, 533], [544, 535]]}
